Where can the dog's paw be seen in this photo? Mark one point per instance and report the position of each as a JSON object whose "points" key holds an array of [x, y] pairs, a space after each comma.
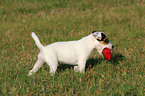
{"points": [[76, 68], [30, 73]]}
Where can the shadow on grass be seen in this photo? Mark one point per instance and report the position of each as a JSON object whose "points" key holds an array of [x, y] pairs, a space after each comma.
{"points": [[63, 67], [91, 62], [116, 59]]}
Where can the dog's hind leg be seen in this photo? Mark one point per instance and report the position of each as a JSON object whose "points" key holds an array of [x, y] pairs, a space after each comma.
{"points": [[37, 65], [52, 65]]}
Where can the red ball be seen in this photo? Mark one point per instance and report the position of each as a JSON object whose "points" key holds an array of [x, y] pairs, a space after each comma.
{"points": [[107, 53]]}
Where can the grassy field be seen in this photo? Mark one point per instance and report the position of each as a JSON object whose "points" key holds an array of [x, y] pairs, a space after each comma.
{"points": [[63, 20]]}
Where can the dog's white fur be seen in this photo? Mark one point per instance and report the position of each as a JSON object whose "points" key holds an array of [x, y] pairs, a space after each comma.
{"points": [[71, 52]]}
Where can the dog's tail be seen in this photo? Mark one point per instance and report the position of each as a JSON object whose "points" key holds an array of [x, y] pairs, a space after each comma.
{"points": [[39, 45]]}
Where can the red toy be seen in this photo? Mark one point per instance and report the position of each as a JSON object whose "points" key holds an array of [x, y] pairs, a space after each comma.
{"points": [[107, 53]]}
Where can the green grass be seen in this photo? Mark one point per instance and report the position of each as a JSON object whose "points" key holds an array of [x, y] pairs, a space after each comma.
{"points": [[122, 20]]}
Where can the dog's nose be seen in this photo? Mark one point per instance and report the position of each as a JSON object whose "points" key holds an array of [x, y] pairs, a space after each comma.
{"points": [[112, 46]]}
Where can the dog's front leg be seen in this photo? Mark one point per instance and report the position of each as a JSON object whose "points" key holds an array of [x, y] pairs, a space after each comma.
{"points": [[81, 66]]}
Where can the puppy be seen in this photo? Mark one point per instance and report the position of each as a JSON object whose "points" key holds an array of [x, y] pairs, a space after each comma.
{"points": [[71, 52]]}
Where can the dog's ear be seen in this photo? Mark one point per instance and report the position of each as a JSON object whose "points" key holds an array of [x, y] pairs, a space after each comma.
{"points": [[94, 31], [103, 36]]}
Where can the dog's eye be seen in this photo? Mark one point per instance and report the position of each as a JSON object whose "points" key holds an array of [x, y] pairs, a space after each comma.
{"points": [[106, 41]]}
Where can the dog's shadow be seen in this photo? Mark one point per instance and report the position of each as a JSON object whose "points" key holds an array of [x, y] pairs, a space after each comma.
{"points": [[91, 62], [116, 59]]}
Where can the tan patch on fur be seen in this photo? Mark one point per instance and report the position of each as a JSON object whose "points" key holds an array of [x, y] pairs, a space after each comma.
{"points": [[103, 42]]}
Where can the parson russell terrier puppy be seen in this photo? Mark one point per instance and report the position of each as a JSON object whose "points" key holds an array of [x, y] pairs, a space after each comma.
{"points": [[71, 52]]}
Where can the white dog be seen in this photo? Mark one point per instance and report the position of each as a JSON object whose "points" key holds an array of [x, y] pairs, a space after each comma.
{"points": [[71, 52]]}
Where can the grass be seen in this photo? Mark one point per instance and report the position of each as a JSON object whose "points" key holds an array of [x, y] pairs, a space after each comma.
{"points": [[63, 20]]}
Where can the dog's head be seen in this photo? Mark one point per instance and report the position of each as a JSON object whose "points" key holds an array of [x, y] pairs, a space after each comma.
{"points": [[101, 41]]}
